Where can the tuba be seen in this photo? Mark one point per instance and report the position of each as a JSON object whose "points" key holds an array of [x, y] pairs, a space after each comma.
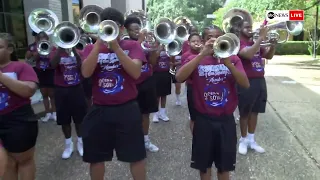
{"points": [[66, 35], [234, 17], [226, 45], [280, 32], [165, 31], [174, 48], [108, 30], [89, 19], [43, 20], [182, 27]]}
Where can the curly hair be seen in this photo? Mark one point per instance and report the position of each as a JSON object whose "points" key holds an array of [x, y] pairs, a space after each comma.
{"points": [[112, 14], [131, 20]]}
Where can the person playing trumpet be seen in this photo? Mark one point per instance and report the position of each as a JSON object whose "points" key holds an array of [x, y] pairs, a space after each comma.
{"points": [[215, 99]]}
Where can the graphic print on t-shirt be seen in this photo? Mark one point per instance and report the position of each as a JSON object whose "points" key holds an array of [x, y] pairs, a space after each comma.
{"points": [[163, 61], [110, 80], [4, 95], [44, 62], [70, 70], [256, 62], [215, 91]]}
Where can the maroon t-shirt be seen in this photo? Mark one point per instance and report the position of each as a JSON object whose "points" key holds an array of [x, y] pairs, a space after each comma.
{"points": [[163, 63], [184, 58], [146, 69], [185, 47], [10, 101], [68, 72], [43, 62], [214, 87], [112, 85], [254, 68]]}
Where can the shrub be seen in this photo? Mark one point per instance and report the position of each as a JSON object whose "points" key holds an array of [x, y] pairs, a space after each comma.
{"points": [[294, 48]]}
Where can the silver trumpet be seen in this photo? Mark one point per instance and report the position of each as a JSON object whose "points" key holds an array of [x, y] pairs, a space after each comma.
{"points": [[182, 28], [83, 42], [279, 32], [226, 45], [44, 47], [66, 35], [108, 30], [174, 48], [43, 20], [165, 31], [89, 19]]}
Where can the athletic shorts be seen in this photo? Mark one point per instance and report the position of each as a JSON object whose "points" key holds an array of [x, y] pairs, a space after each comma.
{"points": [[87, 87], [163, 83], [115, 127], [214, 141], [192, 111], [19, 129], [147, 96], [46, 78], [253, 99], [70, 104]]}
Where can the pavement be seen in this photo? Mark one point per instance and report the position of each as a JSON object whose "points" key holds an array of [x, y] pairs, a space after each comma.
{"points": [[289, 131]]}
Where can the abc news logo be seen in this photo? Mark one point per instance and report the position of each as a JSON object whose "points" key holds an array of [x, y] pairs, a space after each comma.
{"points": [[285, 15]]}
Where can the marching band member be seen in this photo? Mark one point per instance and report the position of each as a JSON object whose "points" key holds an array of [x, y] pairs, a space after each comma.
{"points": [[45, 75], [18, 123], [215, 99], [163, 82], [114, 122], [147, 96], [3, 160], [185, 45], [176, 65], [69, 96], [32, 48], [253, 100], [195, 47]]}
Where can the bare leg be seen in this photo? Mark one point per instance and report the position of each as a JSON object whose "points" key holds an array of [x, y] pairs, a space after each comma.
{"points": [[97, 171], [138, 170], [46, 102], [223, 175], [52, 100], [207, 175], [145, 123], [252, 123]]}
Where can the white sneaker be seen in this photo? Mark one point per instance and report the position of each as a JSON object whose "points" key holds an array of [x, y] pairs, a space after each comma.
{"points": [[163, 117], [155, 118], [53, 116], [67, 151], [80, 148], [151, 147], [46, 117], [254, 146], [243, 146], [178, 103]]}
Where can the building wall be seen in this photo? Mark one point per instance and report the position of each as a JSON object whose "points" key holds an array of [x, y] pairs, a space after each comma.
{"points": [[121, 5], [101, 3]]}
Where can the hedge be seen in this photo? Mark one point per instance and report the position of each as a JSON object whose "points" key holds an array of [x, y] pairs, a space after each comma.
{"points": [[294, 48]]}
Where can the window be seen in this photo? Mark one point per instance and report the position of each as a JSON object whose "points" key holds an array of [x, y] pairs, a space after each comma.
{"points": [[12, 21]]}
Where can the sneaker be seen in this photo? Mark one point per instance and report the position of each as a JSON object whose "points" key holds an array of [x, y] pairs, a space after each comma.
{"points": [[151, 147], [155, 118], [53, 116], [243, 146], [80, 148], [254, 146], [163, 117], [67, 151], [178, 103], [46, 117]]}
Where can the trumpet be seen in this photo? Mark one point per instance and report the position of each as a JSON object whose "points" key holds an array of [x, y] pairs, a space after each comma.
{"points": [[108, 30], [226, 45], [182, 28], [89, 19], [66, 35], [174, 48], [43, 20], [165, 31], [280, 32], [44, 47], [83, 42]]}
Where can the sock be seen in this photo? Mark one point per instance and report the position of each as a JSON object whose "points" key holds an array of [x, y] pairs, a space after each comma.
{"points": [[243, 138], [146, 138], [54, 113], [69, 141], [250, 137], [178, 97], [162, 110], [80, 139], [48, 114]]}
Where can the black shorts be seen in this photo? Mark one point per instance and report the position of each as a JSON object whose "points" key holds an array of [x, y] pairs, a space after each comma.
{"points": [[70, 104], [117, 127], [192, 111], [214, 141], [46, 78], [147, 96], [87, 87], [163, 83], [19, 129], [253, 99]]}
